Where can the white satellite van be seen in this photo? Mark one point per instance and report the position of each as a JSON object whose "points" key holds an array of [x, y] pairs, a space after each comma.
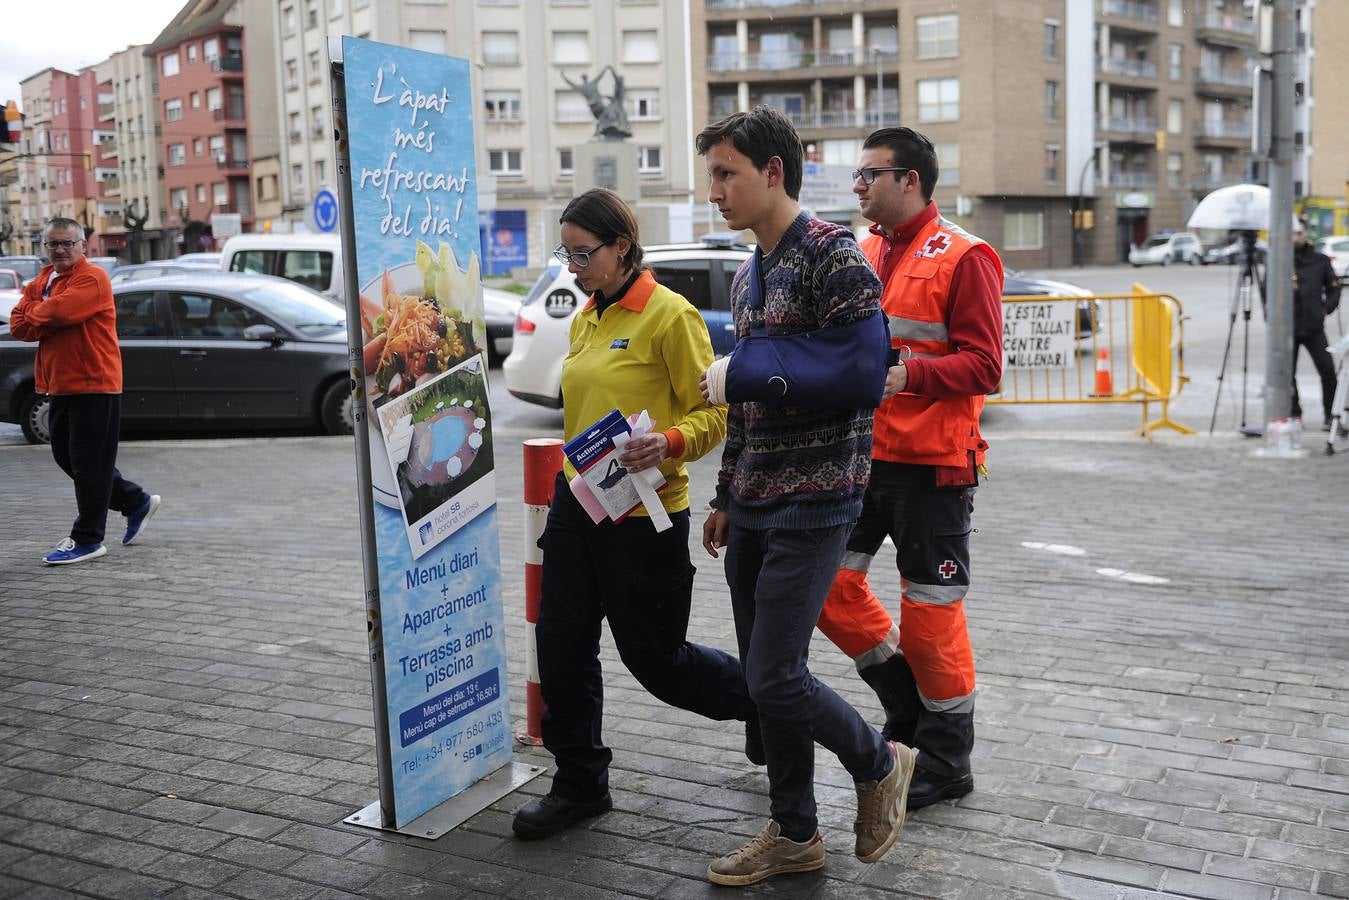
{"points": [[313, 260]]}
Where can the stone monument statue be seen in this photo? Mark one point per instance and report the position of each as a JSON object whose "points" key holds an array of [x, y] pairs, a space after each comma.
{"points": [[611, 119]]}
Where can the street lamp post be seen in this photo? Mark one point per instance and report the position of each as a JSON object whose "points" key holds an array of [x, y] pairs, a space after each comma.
{"points": [[1079, 203]]}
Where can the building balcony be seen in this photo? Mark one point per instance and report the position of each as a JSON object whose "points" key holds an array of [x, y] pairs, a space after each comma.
{"points": [[1225, 28], [1222, 131], [1225, 82], [1127, 68], [1133, 180], [1134, 10], [722, 9], [112, 186], [228, 161], [106, 111], [108, 147], [1214, 180], [1140, 127], [233, 113], [231, 64]]}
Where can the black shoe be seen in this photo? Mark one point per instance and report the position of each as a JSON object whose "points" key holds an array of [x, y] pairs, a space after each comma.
{"points": [[754, 745], [928, 788], [549, 815]]}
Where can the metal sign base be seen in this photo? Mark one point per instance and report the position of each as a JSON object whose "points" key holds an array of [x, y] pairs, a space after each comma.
{"points": [[459, 808]]}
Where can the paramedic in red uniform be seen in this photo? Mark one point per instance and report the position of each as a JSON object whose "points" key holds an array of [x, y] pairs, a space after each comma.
{"points": [[942, 294]]}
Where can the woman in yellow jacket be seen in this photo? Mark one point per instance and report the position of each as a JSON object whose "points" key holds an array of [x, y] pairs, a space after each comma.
{"points": [[635, 345]]}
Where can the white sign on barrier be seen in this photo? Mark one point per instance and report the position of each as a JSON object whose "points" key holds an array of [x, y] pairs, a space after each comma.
{"points": [[1039, 335]]}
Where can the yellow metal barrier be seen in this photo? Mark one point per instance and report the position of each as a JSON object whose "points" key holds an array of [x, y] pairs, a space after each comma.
{"points": [[1127, 348]]}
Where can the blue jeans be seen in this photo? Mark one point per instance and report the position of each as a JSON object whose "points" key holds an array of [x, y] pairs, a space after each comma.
{"points": [[779, 579]]}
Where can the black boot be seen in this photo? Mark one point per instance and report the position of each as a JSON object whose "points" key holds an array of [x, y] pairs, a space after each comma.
{"points": [[893, 683], [548, 815], [944, 742]]}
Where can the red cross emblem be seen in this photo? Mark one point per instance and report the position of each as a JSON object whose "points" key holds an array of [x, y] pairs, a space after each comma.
{"points": [[947, 568], [936, 245]]}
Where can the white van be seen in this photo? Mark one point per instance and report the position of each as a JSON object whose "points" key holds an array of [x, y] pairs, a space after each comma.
{"points": [[313, 260]]}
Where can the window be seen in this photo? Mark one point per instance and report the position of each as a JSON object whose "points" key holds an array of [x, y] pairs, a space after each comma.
{"points": [[571, 48], [643, 105], [288, 21], [312, 14], [201, 193], [210, 49], [136, 315], [1174, 163], [504, 162], [501, 48], [335, 9], [571, 107], [501, 106], [690, 278], [178, 199], [840, 152], [939, 100], [220, 193], [640, 47], [213, 98], [1175, 13], [320, 172], [648, 160], [1023, 230], [217, 147], [1175, 58], [1051, 163], [297, 177], [173, 110], [938, 36], [565, 166], [948, 163], [1175, 116], [292, 74], [884, 38], [191, 53], [199, 315], [1051, 38], [177, 154], [197, 147], [428, 41], [294, 120], [268, 189], [196, 100], [1051, 100], [315, 67], [170, 64]]}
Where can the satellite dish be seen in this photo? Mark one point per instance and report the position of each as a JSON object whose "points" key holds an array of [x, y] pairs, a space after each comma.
{"points": [[1241, 207]]}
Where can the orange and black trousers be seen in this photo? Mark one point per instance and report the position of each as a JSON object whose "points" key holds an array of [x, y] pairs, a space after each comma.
{"points": [[922, 667]]}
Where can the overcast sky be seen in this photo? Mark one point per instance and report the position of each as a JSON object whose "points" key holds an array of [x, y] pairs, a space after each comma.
{"points": [[70, 34]]}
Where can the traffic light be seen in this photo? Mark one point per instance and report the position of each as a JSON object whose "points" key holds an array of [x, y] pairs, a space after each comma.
{"points": [[11, 129]]}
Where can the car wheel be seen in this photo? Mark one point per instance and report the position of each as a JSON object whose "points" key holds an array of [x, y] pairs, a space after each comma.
{"points": [[1194, 259], [34, 413], [335, 409], [1166, 260]]}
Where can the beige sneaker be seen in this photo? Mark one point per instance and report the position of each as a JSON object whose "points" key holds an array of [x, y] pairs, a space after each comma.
{"points": [[881, 805], [768, 854]]}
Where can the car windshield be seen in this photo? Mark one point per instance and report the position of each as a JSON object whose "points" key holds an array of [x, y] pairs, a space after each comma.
{"points": [[26, 267], [308, 312], [1157, 240]]}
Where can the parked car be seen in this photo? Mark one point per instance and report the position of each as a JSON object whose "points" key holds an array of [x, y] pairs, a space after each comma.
{"points": [[143, 271], [108, 264], [313, 260], [702, 272], [1017, 283], [26, 266], [1164, 249], [1337, 248], [1233, 252], [205, 351], [209, 260], [499, 309], [11, 292]]}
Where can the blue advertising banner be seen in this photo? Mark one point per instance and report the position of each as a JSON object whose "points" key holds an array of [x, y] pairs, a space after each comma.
{"points": [[504, 240], [414, 211]]}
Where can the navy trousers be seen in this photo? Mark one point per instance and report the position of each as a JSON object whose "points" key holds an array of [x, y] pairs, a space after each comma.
{"points": [[85, 430], [779, 579], [642, 582]]}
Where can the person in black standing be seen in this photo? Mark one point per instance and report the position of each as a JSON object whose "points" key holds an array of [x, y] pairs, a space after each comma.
{"points": [[1316, 294]]}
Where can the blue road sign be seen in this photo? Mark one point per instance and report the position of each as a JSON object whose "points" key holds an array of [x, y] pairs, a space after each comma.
{"points": [[325, 210]]}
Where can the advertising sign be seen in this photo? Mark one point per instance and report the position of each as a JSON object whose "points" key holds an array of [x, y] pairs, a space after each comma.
{"points": [[827, 188], [1039, 335], [441, 652], [504, 241]]}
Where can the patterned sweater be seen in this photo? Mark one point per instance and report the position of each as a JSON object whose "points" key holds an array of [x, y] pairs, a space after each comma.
{"points": [[790, 467]]}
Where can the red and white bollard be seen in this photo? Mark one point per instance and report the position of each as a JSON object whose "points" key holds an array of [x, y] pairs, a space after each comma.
{"points": [[542, 462]]}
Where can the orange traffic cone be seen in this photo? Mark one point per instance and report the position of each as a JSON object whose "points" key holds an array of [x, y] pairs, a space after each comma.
{"points": [[1104, 386]]}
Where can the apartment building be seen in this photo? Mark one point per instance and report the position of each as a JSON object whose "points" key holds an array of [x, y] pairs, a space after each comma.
{"points": [[131, 201], [1321, 177], [209, 124], [1116, 115]]}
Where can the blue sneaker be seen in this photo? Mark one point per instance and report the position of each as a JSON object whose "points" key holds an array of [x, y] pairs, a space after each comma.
{"points": [[67, 552], [136, 522]]}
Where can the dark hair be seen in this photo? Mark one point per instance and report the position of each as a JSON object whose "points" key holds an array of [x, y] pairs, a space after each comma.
{"points": [[64, 224], [761, 134], [604, 214], [909, 148]]}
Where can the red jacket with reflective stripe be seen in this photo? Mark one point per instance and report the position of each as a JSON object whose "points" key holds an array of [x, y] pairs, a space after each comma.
{"points": [[910, 428]]}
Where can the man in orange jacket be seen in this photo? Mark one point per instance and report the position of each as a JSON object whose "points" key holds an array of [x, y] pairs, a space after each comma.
{"points": [[68, 309], [942, 294]]}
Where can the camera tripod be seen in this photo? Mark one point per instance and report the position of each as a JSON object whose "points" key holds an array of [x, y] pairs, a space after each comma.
{"points": [[1251, 276]]}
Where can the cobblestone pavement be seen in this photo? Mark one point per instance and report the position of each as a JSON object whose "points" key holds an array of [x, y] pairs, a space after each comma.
{"points": [[1163, 711]]}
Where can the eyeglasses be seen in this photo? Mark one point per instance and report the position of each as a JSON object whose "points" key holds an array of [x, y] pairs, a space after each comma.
{"points": [[61, 245], [868, 175], [580, 257]]}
